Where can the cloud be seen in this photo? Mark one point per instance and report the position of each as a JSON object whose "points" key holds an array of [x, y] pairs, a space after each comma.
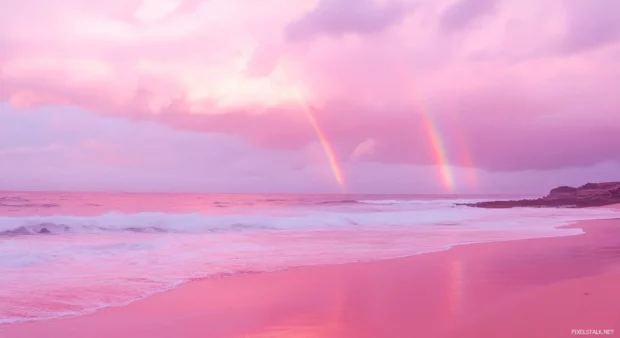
{"points": [[591, 24], [72, 149], [231, 68], [29, 150], [338, 17], [463, 13], [364, 149]]}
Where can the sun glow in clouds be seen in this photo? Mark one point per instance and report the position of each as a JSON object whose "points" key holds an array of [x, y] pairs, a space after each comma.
{"points": [[235, 89], [230, 87], [152, 10]]}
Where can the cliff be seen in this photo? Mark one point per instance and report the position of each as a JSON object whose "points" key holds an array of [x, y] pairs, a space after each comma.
{"points": [[588, 195]]}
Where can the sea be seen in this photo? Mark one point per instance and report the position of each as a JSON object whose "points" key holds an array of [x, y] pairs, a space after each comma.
{"points": [[69, 254]]}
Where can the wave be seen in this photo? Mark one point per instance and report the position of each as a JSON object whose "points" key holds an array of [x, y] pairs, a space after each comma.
{"points": [[42, 229], [436, 202], [86, 309], [339, 202], [13, 199], [159, 222], [30, 205], [85, 273]]}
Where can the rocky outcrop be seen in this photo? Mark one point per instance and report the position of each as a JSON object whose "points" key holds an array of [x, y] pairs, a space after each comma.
{"points": [[563, 190], [588, 195]]}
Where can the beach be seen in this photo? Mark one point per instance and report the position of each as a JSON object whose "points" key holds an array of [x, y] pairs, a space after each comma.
{"points": [[544, 287], [301, 169]]}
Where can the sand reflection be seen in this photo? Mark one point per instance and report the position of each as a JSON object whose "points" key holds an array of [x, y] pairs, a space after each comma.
{"points": [[310, 326], [455, 292]]}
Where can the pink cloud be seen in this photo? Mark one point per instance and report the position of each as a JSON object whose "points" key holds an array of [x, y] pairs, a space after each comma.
{"points": [[365, 148], [69, 149], [591, 24], [499, 99], [462, 13], [337, 17]]}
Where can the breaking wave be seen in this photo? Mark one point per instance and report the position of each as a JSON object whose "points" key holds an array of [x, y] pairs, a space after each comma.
{"points": [[303, 218], [154, 222], [82, 264], [30, 205]]}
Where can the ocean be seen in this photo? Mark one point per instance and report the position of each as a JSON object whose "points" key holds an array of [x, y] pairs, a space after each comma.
{"points": [[68, 254]]}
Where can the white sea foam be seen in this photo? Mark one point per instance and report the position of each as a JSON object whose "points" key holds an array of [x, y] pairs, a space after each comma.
{"points": [[390, 214], [442, 202], [111, 259], [197, 223]]}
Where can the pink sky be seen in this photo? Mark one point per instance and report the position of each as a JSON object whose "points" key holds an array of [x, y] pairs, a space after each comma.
{"points": [[221, 95]]}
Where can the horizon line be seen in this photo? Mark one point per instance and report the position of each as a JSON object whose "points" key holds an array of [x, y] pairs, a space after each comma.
{"points": [[266, 193]]}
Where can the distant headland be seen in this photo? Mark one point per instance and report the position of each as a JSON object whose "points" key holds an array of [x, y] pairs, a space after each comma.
{"points": [[588, 195]]}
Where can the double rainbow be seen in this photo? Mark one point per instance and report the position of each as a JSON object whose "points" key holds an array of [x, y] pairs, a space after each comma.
{"points": [[438, 147]]}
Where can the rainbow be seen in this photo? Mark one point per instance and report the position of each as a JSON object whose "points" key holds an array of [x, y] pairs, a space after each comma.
{"points": [[438, 147], [472, 177], [439, 150], [327, 148], [466, 158]]}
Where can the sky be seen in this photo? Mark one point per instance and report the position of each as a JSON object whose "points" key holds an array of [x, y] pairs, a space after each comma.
{"points": [[317, 96]]}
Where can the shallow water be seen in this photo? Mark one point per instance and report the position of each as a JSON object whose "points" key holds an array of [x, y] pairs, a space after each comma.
{"points": [[73, 253]]}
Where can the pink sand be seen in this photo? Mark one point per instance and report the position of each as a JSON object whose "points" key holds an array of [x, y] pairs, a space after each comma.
{"points": [[527, 288]]}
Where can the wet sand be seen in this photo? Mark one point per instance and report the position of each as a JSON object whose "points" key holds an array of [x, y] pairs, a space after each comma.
{"points": [[526, 288]]}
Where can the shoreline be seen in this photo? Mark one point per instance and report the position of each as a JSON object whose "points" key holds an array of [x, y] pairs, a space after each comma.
{"points": [[586, 196], [236, 306], [241, 274]]}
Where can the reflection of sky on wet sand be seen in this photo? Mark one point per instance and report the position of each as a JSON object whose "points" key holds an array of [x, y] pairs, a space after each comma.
{"points": [[440, 295], [301, 328], [329, 323], [377, 304], [454, 290], [427, 298], [455, 293]]}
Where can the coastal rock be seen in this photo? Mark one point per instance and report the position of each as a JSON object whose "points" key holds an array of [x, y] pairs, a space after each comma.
{"points": [[563, 190], [588, 195]]}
